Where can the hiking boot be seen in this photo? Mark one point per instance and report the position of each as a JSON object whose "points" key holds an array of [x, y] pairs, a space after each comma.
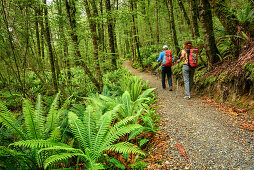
{"points": [[187, 97], [170, 88]]}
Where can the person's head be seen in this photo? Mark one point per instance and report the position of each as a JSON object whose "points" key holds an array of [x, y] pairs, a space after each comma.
{"points": [[165, 47], [187, 45]]}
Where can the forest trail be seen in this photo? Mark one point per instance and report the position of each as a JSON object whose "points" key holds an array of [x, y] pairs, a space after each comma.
{"points": [[199, 136]]}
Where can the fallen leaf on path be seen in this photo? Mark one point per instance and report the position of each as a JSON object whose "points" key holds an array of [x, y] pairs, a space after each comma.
{"points": [[181, 149], [240, 110], [230, 110], [247, 126]]}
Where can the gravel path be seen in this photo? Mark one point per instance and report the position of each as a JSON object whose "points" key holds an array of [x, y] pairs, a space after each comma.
{"points": [[210, 137]]}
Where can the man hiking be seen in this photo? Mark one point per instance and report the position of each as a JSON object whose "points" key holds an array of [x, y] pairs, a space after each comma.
{"points": [[166, 58]]}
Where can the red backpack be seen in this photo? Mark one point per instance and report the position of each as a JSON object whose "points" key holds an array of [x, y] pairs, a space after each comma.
{"points": [[167, 59], [192, 55]]}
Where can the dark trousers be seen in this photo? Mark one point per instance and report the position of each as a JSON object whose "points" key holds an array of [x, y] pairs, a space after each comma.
{"points": [[166, 71]]}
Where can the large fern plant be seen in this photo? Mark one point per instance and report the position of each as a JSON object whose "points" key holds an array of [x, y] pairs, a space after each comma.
{"points": [[95, 134], [36, 126]]}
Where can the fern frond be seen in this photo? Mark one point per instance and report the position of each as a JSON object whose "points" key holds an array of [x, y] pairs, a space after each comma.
{"points": [[39, 119], [79, 130], [116, 132], [38, 143], [60, 158], [126, 147], [55, 134], [8, 120], [89, 122], [17, 159], [52, 118], [103, 127], [30, 122], [146, 93], [135, 133], [61, 148]]}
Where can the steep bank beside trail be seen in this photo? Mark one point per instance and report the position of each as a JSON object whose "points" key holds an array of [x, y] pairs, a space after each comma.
{"points": [[196, 135]]}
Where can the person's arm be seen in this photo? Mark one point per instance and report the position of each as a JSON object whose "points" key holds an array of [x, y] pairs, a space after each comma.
{"points": [[160, 57], [182, 56]]}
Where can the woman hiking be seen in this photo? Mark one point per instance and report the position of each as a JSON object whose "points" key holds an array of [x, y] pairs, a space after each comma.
{"points": [[188, 57]]}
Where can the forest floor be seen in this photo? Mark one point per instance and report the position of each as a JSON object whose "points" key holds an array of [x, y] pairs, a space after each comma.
{"points": [[198, 133]]}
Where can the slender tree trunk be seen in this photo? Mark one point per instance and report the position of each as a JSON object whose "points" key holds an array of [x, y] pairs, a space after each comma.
{"points": [[64, 43], [102, 28], [92, 26], [42, 32], [10, 38], [51, 55], [37, 32], [194, 18], [207, 28], [229, 22], [137, 42], [187, 19], [133, 44], [157, 22], [172, 24], [111, 34], [71, 12]]}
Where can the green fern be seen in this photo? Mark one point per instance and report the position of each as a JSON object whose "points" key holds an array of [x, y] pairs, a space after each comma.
{"points": [[53, 116], [126, 147], [13, 160], [30, 121], [8, 120], [37, 144], [60, 158], [39, 119]]}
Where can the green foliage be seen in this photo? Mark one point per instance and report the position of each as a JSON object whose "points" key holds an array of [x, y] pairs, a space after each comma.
{"points": [[249, 71], [36, 127], [246, 17], [208, 81], [10, 159]]}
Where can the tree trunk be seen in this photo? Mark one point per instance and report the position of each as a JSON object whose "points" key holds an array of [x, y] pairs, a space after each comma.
{"points": [[136, 32], [229, 22], [37, 33], [10, 38], [71, 12], [64, 43], [111, 34], [194, 18], [207, 28], [51, 55], [42, 32], [92, 26], [157, 22], [187, 19], [172, 24]]}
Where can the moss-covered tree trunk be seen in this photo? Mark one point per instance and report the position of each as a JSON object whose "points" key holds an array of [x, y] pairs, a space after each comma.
{"points": [[169, 5], [71, 12], [194, 18], [229, 22], [157, 21], [111, 33], [186, 17], [51, 55], [208, 34], [93, 29]]}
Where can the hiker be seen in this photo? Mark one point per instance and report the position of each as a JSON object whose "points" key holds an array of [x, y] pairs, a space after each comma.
{"points": [[189, 56], [166, 59]]}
